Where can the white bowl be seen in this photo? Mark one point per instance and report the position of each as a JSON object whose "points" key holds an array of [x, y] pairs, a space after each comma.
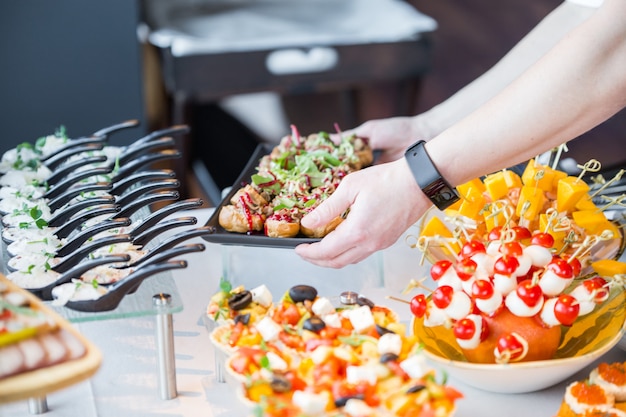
{"points": [[521, 377]]}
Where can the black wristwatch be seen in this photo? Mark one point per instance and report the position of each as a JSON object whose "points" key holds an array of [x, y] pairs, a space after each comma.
{"points": [[427, 176]]}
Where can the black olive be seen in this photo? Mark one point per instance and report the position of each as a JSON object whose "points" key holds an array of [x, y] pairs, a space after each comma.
{"points": [[415, 388], [362, 301], [388, 357], [240, 300], [314, 324], [243, 318], [279, 383], [341, 401], [299, 293], [382, 330]]}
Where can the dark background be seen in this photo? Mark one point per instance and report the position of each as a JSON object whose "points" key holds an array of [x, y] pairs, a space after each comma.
{"points": [[75, 63]]}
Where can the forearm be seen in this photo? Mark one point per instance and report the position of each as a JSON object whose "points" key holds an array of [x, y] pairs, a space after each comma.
{"points": [[535, 44], [578, 85]]}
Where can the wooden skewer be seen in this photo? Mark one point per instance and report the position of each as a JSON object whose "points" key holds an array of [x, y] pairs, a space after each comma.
{"points": [[391, 297]]}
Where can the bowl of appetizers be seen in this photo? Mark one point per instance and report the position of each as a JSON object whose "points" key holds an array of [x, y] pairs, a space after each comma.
{"points": [[521, 354], [525, 288]]}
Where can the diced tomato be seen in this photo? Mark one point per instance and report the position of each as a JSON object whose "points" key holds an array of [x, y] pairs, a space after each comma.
{"points": [[297, 383], [235, 333], [369, 393], [452, 393], [346, 323], [5, 314], [342, 389], [331, 370], [287, 314], [333, 333], [397, 369], [372, 332], [291, 340], [249, 352], [240, 363]]}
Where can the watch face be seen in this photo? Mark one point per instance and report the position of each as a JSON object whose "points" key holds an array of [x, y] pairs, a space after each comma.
{"points": [[441, 194]]}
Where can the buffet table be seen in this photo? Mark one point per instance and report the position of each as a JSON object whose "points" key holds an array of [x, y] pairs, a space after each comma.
{"points": [[128, 383]]}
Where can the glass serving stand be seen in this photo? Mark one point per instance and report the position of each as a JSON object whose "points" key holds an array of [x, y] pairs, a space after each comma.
{"points": [[157, 296]]}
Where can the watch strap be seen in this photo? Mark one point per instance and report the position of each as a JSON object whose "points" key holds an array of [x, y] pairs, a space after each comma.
{"points": [[428, 177]]}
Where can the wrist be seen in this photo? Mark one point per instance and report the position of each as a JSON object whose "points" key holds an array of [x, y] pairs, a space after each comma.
{"points": [[422, 127], [428, 177]]}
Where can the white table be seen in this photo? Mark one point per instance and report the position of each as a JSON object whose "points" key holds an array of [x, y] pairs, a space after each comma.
{"points": [[127, 383]]}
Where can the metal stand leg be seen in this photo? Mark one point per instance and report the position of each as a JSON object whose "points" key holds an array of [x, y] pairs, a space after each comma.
{"points": [[165, 347], [38, 405], [219, 369]]}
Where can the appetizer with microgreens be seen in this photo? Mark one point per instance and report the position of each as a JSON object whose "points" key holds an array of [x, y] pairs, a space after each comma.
{"points": [[292, 180]]}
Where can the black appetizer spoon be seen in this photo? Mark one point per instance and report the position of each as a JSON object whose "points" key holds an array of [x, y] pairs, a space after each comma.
{"points": [[116, 292]]}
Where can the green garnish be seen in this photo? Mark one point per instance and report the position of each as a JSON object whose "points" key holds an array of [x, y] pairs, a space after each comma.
{"points": [[357, 339], [225, 285], [264, 362]]}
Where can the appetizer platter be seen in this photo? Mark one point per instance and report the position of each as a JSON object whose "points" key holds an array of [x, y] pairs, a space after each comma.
{"points": [[312, 355], [280, 184], [41, 352], [77, 227]]}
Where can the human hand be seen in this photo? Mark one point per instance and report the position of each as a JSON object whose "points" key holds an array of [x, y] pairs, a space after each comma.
{"points": [[384, 201], [392, 136]]}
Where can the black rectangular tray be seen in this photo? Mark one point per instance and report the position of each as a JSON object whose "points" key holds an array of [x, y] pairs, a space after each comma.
{"points": [[222, 236]]}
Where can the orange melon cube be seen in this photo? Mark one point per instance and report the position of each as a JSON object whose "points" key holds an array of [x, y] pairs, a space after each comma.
{"points": [[539, 176], [512, 179], [435, 227], [496, 185], [472, 190], [590, 220], [609, 226], [557, 176], [530, 203], [569, 191], [493, 219], [585, 203], [609, 267], [472, 209], [455, 206]]}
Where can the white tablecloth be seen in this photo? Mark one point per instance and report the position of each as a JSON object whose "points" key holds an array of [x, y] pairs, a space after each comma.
{"points": [[127, 383]]}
